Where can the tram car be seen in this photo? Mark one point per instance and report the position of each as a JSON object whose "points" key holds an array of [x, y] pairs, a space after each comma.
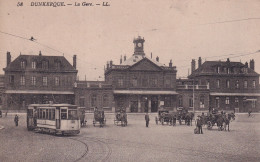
{"points": [[53, 118], [121, 117], [99, 117]]}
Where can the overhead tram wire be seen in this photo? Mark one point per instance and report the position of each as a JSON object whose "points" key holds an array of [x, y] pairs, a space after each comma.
{"points": [[34, 40]]}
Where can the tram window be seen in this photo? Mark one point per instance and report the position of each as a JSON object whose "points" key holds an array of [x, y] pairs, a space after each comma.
{"points": [[43, 114], [50, 117], [63, 114], [40, 114], [53, 114], [73, 115], [47, 113]]}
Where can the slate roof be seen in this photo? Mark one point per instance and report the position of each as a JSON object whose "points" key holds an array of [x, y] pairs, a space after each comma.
{"points": [[65, 65], [209, 67]]}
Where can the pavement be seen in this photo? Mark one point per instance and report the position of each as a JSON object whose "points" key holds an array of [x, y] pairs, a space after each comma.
{"points": [[134, 142]]}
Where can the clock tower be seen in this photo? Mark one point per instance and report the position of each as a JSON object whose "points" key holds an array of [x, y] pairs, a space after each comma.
{"points": [[139, 46]]}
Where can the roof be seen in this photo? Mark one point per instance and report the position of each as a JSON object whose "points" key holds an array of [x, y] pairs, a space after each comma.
{"points": [[136, 58], [208, 67], [65, 65]]}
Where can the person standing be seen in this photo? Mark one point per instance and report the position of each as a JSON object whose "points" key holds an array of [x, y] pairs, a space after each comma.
{"points": [[16, 119], [199, 124], [147, 119]]}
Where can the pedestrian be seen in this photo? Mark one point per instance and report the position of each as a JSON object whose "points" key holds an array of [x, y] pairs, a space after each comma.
{"points": [[147, 119], [199, 124], [249, 112], [16, 119], [0, 114]]}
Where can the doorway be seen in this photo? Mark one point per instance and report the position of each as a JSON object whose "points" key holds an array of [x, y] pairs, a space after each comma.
{"points": [[154, 104]]}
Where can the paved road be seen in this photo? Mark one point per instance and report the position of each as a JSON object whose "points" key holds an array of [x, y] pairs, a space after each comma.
{"points": [[134, 142]]}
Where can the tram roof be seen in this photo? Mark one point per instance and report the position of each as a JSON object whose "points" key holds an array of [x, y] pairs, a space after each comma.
{"points": [[52, 105]]}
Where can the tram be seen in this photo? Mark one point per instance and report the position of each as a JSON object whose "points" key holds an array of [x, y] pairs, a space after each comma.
{"points": [[53, 118]]}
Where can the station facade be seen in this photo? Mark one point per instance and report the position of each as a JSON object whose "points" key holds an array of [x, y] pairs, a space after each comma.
{"points": [[140, 83]]}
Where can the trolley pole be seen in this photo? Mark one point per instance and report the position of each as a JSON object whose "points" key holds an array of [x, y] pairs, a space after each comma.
{"points": [[193, 101]]}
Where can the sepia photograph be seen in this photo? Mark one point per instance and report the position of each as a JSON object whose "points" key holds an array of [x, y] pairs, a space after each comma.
{"points": [[129, 80]]}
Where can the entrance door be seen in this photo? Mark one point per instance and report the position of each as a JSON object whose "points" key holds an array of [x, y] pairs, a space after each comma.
{"points": [[154, 104]]}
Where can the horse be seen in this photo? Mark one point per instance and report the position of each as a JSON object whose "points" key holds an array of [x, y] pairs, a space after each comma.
{"points": [[220, 120], [228, 119]]}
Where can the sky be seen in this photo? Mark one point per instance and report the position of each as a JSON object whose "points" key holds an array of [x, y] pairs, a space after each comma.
{"points": [[172, 29]]}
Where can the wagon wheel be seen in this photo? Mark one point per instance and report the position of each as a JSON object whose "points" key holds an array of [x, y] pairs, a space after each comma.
{"points": [[209, 125], [156, 120]]}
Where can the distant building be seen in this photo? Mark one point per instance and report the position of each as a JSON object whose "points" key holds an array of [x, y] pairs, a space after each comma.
{"points": [[232, 85], [38, 79], [2, 87]]}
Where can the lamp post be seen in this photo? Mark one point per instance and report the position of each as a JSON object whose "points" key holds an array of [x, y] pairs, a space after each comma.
{"points": [[193, 101]]}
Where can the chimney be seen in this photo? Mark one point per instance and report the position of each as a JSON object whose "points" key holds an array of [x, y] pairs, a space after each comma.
{"points": [[40, 53], [228, 60], [170, 64], [111, 63], [199, 62], [252, 64], [107, 65], [193, 65], [75, 61], [246, 65], [121, 60], [8, 58], [157, 59], [124, 57], [151, 55]]}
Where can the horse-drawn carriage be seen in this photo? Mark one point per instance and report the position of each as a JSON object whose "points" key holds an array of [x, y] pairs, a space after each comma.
{"points": [[184, 115], [99, 117], [165, 116], [121, 117], [220, 119]]}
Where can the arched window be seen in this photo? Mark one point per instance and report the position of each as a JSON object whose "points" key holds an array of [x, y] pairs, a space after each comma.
{"points": [[105, 100], [93, 100]]}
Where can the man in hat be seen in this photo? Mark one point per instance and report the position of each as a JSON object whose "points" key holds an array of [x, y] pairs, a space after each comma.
{"points": [[147, 119], [16, 119], [199, 124]]}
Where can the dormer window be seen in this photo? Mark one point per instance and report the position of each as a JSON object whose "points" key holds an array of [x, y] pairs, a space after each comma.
{"points": [[45, 65], [228, 70], [34, 65], [218, 69], [23, 64], [57, 65]]}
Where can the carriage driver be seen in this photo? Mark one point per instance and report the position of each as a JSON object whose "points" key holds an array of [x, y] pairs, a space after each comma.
{"points": [[199, 124]]}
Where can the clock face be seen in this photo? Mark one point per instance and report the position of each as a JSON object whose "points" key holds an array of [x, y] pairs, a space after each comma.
{"points": [[139, 44]]}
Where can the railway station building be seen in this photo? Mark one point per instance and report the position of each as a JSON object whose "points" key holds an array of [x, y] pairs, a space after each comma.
{"points": [[38, 79]]}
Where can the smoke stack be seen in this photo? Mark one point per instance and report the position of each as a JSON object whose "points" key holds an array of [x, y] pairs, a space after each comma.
{"points": [[121, 60], [170, 64], [157, 59], [75, 61], [107, 65], [8, 58], [40, 53], [111, 63], [199, 62], [252, 64], [246, 65], [193, 65]]}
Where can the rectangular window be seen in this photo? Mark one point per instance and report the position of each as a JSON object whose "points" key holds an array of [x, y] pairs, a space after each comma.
{"points": [[217, 102], [245, 84], [228, 70], [227, 100], [144, 82], [120, 82], [134, 82], [72, 115], [218, 83], [63, 114], [227, 84], [57, 81], [50, 115], [237, 84], [253, 104], [33, 80], [53, 114], [190, 102], [22, 80], [153, 82], [47, 113], [236, 102], [218, 69], [33, 65], [44, 81], [253, 84], [168, 82], [82, 102], [11, 79], [45, 65], [202, 102], [167, 101], [22, 64]]}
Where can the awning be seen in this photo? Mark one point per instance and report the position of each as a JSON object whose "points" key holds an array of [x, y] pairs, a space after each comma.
{"points": [[145, 92], [234, 94], [37, 92]]}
